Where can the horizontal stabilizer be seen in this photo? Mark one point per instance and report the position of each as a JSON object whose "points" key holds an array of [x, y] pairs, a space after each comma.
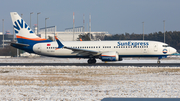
{"points": [[18, 44]]}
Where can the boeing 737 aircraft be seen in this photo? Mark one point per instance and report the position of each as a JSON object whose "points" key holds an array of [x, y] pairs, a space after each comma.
{"points": [[28, 41]]}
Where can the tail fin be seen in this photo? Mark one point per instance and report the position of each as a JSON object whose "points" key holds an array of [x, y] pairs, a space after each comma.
{"points": [[23, 32]]}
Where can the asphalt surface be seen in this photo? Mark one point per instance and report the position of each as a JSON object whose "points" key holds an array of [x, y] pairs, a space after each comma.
{"points": [[97, 64]]}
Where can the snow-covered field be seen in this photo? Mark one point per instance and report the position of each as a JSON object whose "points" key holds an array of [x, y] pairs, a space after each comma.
{"points": [[172, 59], [86, 83]]}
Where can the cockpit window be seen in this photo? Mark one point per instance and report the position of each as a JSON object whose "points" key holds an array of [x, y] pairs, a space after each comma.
{"points": [[165, 46]]}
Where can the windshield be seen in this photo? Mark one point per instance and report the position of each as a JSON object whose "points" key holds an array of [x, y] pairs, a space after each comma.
{"points": [[166, 46]]}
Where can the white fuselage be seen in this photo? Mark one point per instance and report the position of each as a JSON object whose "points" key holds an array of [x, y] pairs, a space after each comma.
{"points": [[128, 48]]}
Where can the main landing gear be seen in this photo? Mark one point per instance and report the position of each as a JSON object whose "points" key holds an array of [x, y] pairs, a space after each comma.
{"points": [[91, 61]]}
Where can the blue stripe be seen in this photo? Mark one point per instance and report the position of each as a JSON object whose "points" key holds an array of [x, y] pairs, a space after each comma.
{"points": [[20, 23], [108, 58], [17, 27], [31, 42], [142, 55], [75, 56], [68, 56]]}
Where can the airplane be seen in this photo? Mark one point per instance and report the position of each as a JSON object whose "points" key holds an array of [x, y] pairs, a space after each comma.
{"points": [[28, 41]]}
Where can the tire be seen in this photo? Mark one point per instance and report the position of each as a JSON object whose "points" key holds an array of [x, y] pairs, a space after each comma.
{"points": [[94, 61], [91, 61]]}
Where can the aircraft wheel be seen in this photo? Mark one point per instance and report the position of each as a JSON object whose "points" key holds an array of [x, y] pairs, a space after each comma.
{"points": [[158, 61], [91, 61], [94, 61]]}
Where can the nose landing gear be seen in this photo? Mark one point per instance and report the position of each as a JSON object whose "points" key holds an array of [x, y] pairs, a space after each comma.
{"points": [[161, 57], [158, 62]]}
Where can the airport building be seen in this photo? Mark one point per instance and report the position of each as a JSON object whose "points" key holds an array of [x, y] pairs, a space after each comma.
{"points": [[8, 37], [69, 34]]}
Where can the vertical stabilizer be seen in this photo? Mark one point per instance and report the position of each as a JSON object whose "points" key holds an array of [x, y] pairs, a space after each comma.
{"points": [[20, 27], [24, 34]]}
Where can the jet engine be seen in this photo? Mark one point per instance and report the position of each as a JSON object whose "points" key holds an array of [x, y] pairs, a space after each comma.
{"points": [[110, 56]]}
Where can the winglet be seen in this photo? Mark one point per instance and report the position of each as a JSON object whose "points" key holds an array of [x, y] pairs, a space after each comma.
{"points": [[60, 45]]}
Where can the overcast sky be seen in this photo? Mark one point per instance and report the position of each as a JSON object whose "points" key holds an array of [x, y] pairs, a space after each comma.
{"points": [[113, 16]]}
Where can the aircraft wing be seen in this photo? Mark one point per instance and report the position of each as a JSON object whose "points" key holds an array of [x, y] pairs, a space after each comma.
{"points": [[77, 50], [82, 51]]}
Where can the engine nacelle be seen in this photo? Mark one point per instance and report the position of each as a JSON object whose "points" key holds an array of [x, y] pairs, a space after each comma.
{"points": [[110, 56]]}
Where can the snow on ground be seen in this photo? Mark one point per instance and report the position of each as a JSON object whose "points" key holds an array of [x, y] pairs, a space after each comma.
{"points": [[87, 83], [172, 59]]}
